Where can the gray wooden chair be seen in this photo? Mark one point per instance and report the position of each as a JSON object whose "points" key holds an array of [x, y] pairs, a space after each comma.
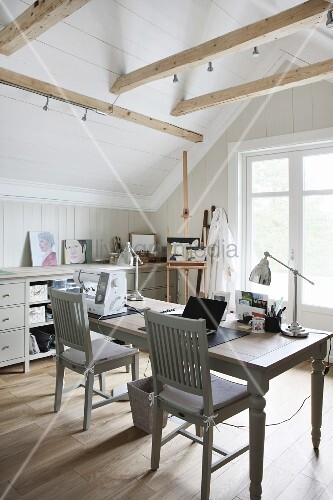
{"points": [[85, 356], [184, 387]]}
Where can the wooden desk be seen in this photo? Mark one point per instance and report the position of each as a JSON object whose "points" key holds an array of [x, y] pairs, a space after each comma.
{"points": [[256, 358]]}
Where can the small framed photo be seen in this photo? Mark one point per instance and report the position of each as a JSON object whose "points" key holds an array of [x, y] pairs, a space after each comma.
{"points": [[224, 297]]}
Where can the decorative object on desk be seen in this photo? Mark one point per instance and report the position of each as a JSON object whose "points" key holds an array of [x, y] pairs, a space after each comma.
{"points": [[222, 296], [113, 258], [250, 304], [257, 325], [43, 248], [262, 274], [142, 242], [273, 324], [116, 244], [126, 259], [78, 251]]}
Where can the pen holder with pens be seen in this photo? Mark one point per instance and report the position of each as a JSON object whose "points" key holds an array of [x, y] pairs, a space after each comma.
{"points": [[273, 324]]}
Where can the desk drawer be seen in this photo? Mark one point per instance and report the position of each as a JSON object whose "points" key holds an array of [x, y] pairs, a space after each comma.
{"points": [[11, 317], [11, 345], [11, 293]]}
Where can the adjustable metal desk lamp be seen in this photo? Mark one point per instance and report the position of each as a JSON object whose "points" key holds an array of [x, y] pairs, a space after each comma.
{"points": [[262, 274], [126, 258]]}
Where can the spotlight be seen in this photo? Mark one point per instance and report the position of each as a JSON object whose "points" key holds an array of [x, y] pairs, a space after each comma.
{"points": [[255, 52], [210, 66], [175, 79], [329, 22], [84, 117], [46, 105]]}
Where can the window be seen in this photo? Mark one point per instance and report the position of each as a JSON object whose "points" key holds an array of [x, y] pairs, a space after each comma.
{"points": [[289, 213]]}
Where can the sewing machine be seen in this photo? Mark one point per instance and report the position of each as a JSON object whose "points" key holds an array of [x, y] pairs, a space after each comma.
{"points": [[105, 290]]}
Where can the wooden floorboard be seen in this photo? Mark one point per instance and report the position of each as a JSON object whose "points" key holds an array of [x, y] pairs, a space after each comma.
{"points": [[45, 455]]}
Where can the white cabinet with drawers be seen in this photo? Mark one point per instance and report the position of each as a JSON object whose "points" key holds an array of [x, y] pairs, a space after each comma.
{"points": [[12, 322], [23, 292]]}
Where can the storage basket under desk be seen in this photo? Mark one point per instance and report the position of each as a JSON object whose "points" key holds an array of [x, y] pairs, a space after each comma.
{"points": [[141, 405]]}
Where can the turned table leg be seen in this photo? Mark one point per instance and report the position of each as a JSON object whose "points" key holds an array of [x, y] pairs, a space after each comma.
{"points": [[257, 440], [317, 387]]}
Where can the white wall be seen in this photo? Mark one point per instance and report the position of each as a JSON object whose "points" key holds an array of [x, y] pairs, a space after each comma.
{"points": [[300, 109], [64, 221], [296, 110]]}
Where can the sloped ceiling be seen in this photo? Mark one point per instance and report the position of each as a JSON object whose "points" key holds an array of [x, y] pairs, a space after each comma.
{"points": [[111, 162]]}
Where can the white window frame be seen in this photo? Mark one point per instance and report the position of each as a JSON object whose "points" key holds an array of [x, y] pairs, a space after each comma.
{"points": [[237, 194]]}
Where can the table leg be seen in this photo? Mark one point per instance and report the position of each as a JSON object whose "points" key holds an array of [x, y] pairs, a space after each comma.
{"points": [[317, 387], [257, 440]]}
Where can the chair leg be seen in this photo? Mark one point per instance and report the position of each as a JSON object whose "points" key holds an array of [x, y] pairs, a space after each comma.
{"points": [[206, 462], [135, 367], [60, 372], [157, 435], [88, 401], [101, 378], [199, 430]]}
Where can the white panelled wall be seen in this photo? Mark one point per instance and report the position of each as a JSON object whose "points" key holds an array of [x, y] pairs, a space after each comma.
{"points": [[297, 110], [65, 222]]}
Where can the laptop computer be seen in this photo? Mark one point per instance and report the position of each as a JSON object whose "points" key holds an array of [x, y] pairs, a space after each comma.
{"points": [[208, 309]]}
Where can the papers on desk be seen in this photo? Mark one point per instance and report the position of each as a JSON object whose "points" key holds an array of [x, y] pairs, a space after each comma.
{"points": [[174, 312]]}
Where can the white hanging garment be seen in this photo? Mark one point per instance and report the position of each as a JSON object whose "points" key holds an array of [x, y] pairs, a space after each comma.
{"points": [[221, 251]]}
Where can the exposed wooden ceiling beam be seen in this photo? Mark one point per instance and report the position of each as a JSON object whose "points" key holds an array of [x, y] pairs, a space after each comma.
{"points": [[283, 24], [35, 20], [268, 85], [46, 89]]}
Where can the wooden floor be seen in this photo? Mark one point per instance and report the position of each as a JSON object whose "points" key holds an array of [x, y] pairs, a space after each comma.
{"points": [[47, 456]]}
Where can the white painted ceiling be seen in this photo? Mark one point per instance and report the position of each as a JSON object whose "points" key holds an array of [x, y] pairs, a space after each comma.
{"points": [[89, 50]]}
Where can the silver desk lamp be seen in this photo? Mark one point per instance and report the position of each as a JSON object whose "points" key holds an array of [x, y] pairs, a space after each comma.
{"points": [[262, 274], [126, 258]]}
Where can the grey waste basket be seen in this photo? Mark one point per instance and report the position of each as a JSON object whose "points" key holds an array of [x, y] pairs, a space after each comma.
{"points": [[142, 409]]}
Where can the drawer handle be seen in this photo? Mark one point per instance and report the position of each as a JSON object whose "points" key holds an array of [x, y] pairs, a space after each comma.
{"points": [[6, 319], [7, 295], [5, 347]]}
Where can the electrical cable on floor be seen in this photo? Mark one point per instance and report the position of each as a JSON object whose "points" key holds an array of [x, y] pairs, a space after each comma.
{"points": [[270, 425], [326, 370]]}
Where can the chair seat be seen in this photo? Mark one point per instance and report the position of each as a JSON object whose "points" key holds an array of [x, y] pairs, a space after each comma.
{"points": [[102, 350], [224, 393]]}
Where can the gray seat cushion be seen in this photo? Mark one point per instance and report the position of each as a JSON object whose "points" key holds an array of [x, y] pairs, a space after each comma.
{"points": [[224, 393], [102, 349]]}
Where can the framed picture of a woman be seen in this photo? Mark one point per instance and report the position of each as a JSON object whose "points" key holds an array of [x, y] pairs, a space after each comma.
{"points": [[43, 248]]}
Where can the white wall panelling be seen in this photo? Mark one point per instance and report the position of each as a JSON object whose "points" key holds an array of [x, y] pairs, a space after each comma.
{"points": [[65, 221]]}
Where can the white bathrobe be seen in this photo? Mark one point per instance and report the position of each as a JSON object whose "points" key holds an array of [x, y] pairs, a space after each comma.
{"points": [[221, 251]]}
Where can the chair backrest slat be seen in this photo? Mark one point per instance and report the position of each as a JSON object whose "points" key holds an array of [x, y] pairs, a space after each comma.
{"points": [[179, 354], [71, 321]]}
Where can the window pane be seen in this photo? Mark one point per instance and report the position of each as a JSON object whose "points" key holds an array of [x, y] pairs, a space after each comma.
{"points": [[270, 231], [318, 171], [270, 175], [318, 250]]}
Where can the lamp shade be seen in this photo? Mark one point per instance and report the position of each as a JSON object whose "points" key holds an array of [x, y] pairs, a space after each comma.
{"points": [[261, 273]]}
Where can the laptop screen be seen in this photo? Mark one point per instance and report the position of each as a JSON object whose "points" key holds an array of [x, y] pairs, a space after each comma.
{"points": [[208, 309]]}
